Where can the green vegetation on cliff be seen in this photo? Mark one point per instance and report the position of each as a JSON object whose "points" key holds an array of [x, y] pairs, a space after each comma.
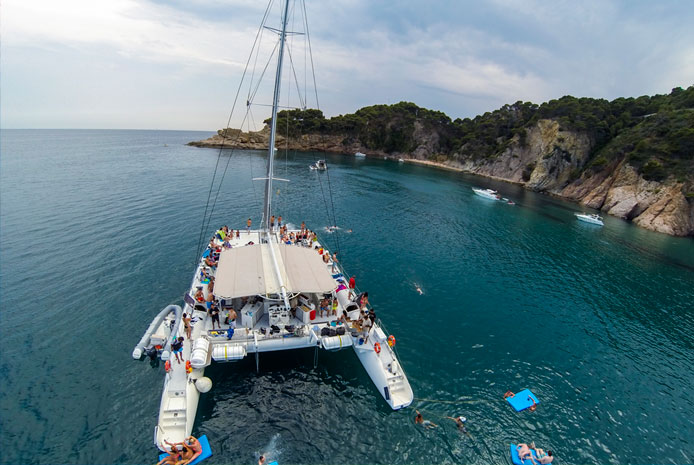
{"points": [[656, 133]]}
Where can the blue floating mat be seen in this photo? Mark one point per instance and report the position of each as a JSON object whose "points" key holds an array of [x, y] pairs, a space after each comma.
{"points": [[206, 451], [522, 400], [272, 463], [516, 459]]}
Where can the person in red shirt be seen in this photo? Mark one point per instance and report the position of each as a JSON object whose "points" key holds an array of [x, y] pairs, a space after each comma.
{"points": [[352, 282]]}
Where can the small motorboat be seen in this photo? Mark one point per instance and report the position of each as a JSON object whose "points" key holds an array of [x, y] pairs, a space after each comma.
{"points": [[400, 160], [591, 218], [487, 193], [360, 155], [320, 165]]}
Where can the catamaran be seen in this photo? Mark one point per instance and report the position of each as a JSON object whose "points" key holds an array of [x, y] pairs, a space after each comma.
{"points": [[281, 290]]}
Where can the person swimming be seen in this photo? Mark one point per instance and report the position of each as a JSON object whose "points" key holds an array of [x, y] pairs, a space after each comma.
{"points": [[418, 289], [460, 423], [419, 420]]}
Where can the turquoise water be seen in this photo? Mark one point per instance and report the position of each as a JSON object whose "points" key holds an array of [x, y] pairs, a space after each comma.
{"points": [[99, 231]]}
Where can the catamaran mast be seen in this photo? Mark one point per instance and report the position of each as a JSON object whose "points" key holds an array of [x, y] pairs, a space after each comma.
{"points": [[273, 124], [271, 157]]}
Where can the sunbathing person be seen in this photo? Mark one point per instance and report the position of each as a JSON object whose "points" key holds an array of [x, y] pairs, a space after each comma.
{"points": [[524, 452], [195, 449]]}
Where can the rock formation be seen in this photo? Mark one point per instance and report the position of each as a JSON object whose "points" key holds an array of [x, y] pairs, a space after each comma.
{"points": [[547, 159]]}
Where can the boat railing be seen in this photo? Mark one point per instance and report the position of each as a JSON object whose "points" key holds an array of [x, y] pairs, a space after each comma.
{"points": [[380, 324]]}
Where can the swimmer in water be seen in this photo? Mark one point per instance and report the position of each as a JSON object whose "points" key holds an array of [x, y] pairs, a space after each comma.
{"points": [[419, 420], [460, 423], [418, 289]]}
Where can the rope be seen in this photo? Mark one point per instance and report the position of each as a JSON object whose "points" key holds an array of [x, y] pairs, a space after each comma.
{"points": [[461, 401]]}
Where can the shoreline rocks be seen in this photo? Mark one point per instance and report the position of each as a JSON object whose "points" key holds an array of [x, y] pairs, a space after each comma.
{"points": [[549, 160]]}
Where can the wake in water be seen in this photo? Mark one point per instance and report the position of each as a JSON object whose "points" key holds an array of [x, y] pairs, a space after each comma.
{"points": [[331, 229], [271, 452]]}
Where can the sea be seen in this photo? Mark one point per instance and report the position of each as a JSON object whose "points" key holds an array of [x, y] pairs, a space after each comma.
{"points": [[100, 229]]}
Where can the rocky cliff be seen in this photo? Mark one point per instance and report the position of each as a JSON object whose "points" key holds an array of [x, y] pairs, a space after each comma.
{"points": [[627, 174]]}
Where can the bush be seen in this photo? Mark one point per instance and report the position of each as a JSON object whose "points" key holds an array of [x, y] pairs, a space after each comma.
{"points": [[653, 171]]}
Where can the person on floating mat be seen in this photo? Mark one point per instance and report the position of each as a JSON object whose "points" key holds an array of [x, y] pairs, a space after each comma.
{"points": [[525, 452], [544, 458], [177, 456]]}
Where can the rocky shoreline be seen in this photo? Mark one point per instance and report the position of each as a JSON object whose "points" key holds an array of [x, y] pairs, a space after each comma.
{"points": [[546, 160]]}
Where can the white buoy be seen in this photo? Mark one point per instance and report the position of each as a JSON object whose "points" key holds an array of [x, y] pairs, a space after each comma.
{"points": [[203, 384]]}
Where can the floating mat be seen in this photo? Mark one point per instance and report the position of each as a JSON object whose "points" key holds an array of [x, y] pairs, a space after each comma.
{"points": [[206, 450], [522, 400], [272, 463], [516, 459]]}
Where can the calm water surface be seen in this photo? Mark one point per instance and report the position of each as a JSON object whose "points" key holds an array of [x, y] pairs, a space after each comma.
{"points": [[99, 231]]}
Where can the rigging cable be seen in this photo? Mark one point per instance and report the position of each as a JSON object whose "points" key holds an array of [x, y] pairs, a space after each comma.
{"points": [[221, 146], [315, 88]]}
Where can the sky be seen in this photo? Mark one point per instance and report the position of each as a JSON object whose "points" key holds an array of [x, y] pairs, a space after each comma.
{"points": [[177, 64]]}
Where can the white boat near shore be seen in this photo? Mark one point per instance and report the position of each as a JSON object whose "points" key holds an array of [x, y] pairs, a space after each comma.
{"points": [[589, 218], [487, 193], [360, 155], [281, 291]]}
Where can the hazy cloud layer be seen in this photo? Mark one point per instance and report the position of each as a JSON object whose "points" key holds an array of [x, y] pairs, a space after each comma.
{"points": [[177, 64]]}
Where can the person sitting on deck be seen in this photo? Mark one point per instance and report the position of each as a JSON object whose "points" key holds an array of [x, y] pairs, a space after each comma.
{"points": [[323, 307], [231, 317], [199, 296], [326, 257], [210, 261]]}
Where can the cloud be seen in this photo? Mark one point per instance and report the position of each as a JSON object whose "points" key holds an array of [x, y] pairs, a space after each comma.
{"points": [[135, 29], [464, 59]]}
